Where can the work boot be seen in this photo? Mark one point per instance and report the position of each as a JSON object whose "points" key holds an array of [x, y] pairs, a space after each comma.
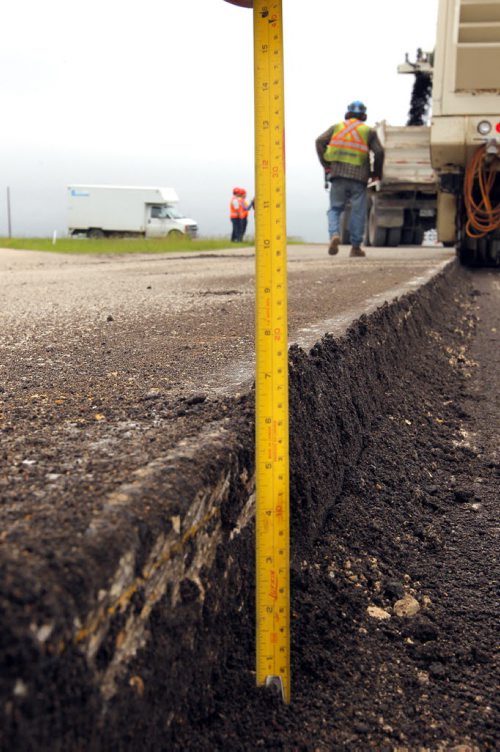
{"points": [[333, 248], [356, 250]]}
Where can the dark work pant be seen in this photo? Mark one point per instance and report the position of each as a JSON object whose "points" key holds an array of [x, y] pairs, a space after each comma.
{"points": [[235, 236], [243, 227], [341, 191]]}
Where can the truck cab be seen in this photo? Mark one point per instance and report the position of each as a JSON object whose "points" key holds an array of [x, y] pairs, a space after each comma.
{"points": [[164, 220]]}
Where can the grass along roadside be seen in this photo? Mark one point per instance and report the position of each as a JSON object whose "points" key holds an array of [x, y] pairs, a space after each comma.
{"points": [[120, 246]]}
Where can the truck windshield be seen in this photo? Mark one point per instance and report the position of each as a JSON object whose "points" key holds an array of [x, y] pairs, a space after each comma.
{"points": [[173, 213], [165, 212]]}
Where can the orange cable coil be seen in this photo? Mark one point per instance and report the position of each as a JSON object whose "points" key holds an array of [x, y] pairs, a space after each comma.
{"points": [[482, 217]]}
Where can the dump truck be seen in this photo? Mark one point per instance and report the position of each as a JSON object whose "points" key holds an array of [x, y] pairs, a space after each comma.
{"points": [[465, 128], [99, 211], [402, 206]]}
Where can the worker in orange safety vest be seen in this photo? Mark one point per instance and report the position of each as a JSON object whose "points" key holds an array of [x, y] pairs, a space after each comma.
{"points": [[344, 151]]}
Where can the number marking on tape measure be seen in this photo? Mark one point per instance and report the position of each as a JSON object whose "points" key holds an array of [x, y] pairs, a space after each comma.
{"points": [[272, 461]]}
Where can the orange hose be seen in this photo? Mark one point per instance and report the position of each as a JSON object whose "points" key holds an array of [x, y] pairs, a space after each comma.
{"points": [[482, 217]]}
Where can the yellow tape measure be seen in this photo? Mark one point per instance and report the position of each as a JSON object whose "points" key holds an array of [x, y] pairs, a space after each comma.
{"points": [[272, 471]]}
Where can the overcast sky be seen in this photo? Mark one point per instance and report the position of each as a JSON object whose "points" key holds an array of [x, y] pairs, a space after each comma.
{"points": [[160, 92]]}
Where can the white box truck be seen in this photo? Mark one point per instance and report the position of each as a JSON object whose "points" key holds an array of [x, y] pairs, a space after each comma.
{"points": [[99, 211]]}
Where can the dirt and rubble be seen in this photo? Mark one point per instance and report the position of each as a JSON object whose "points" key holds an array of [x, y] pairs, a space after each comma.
{"points": [[395, 606], [395, 601], [394, 487]]}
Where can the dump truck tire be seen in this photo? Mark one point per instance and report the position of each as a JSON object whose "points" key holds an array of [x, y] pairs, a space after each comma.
{"points": [[418, 236], [376, 233], [345, 235], [393, 236]]}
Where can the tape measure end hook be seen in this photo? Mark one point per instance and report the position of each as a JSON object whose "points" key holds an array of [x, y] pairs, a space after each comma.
{"points": [[275, 684]]}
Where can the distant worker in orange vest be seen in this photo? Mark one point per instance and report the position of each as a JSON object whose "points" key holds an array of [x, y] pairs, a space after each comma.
{"points": [[244, 212], [235, 215]]}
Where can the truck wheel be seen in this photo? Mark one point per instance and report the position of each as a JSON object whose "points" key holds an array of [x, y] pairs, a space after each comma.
{"points": [[466, 256], [467, 252], [95, 233], [376, 234], [175, 234], [345, 235], [407, 236], [393, 236], [418, 236], [482, 252], [366, 237]]}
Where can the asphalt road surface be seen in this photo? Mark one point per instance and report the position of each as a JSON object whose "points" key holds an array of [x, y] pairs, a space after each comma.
{"points": [[100, 355], [185, 319]]}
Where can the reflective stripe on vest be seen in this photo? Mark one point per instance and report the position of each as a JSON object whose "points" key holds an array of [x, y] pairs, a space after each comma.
{"points": [[234, 208], [349, 143]]}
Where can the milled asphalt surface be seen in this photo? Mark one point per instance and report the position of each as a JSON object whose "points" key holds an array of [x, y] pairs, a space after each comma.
{"points": [[191, 314]]}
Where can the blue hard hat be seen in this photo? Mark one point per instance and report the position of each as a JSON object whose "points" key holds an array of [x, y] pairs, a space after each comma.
{"points": [[357, 108]]}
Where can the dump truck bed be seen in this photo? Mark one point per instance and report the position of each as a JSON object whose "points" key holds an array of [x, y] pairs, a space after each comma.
{"points": [[407, 163]]}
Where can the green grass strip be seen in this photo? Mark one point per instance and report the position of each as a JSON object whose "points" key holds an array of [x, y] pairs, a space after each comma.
{"points": [[119, 246]]}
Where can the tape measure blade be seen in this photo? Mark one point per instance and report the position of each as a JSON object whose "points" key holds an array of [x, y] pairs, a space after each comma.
{"points": [[272, 472]]}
